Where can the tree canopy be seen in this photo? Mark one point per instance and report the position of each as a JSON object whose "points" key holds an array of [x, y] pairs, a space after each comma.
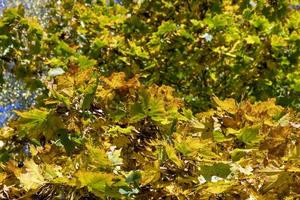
{"points": [[147, 99]]}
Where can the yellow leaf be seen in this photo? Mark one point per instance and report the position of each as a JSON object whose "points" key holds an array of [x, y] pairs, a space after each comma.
{"points": [[33, 177], [52, 171], [3, 176], [98, 156], [95, 180], [171, 152], [227, 105], [217, 187], [116, 80], [151, 174], [6, 132], [190, 146]]}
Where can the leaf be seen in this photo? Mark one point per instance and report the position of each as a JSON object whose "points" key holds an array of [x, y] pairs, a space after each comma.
{"points": [[65, 100], [137, 112], [187, 113], [227, 105], [33, 119], [4, 155], [33, 177], [95, 180], [190, 146], [249, 136], [219, 137], [138, 51], [156, 111], [117, 129], [12, 13], [68, 144], [3, 176], [218, 187], [171, 152], [116, 80], [252, 39], [149, 106], [55, 62], [151, 174], [63, 49], [237, 154], [166, 27], [115, 156], [100, 43], [98, 156], [196, 124], [134, 177], [85, 62], [277, 41], [219, 169], [52, 171], [89, 94], [279, 182], [37, 121], [128, 192]]}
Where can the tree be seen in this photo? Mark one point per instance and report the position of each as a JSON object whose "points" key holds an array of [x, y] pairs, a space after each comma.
{"points": [[122, 85]]}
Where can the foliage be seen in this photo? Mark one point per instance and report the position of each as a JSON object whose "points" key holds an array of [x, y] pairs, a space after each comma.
{"points": [[122, 85], [140, 149], [199, 48]]}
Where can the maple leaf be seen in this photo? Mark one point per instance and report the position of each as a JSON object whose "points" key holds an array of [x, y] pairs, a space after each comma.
{"points": [[95, 180], [33, 177]]}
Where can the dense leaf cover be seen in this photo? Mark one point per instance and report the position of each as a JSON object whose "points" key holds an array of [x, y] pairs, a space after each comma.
{"points": [[132, 103], [13, 94]]}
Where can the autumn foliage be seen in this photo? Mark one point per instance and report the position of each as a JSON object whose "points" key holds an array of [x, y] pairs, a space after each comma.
{"points": [[154, 100]]}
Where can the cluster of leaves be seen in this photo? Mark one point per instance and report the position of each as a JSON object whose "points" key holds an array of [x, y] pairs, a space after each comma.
{"points": [[122, 84], [200, 48], [120, 139]]}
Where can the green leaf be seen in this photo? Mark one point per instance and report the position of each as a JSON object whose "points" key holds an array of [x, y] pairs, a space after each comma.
{"points": [[134, 177], [55, 62], [85, 62], [33, 119], [4, 155], [52, 171], [137, 112], [64, 49], [218, 169], [67, 142], [37, 121], [220, 137], [249, 136], [117, 129], [148, 106], [65, 100], [237, 154], [166, 27], [99, 43], [151, 174], [252, 39], [95, 180], [89, 94]]}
